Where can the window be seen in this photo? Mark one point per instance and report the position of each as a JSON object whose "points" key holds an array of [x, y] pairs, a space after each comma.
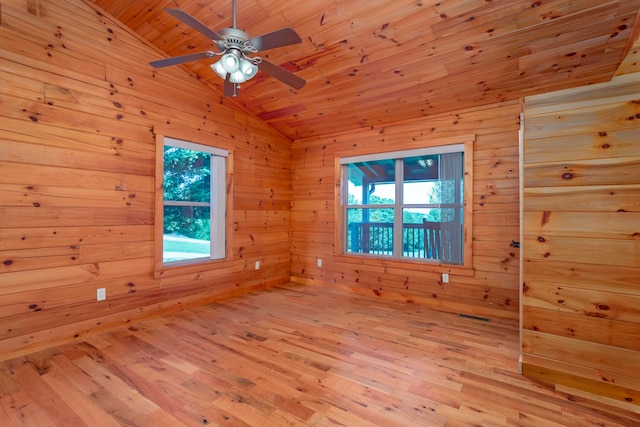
{"points": [[406, 204], [193, 202]]}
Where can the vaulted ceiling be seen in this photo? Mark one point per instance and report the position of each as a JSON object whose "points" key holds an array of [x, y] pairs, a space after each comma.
{"points": [[374, 62]]}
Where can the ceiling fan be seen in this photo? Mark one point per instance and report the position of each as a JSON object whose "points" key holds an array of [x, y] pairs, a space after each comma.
{"points": [[235, 65]]}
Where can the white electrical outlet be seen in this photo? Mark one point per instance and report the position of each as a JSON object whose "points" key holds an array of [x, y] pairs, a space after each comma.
{"points": [[257, 265], [319, 262], [101, 294], [445, 277]]}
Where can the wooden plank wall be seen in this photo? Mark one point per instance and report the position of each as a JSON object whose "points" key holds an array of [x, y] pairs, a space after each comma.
{"points": [[581, 249], [491, 289], [78, 102]]}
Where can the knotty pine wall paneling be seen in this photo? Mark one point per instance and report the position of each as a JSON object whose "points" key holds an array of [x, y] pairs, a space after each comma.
{"points": [[490, 289], [581, 248], [78, 103]]}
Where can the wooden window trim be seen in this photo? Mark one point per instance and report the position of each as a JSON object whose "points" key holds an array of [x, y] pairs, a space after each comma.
{"points": [[466, 269], [202, 264]]}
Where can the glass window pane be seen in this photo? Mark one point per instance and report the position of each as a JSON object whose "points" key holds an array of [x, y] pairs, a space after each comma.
{"points": [[187, 175], [186, 233], [420, 176], [370, 231], [417, 216], [372, 183], [419, 192], [431, 207], [420, 233]]}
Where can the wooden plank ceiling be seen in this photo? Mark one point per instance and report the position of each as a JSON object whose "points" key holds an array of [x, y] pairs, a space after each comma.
{"points": [[374, 62]]}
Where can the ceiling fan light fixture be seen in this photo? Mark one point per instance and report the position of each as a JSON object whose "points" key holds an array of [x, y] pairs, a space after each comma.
{"points": [[245, 70], [219, 69], [248, 68], [237, 77], [230, 61]]}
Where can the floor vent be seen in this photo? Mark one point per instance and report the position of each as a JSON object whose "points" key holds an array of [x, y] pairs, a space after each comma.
{"points": [[468, 316]]}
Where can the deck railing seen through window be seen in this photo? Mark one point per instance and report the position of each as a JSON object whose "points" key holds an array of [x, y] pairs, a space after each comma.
{"points": [[422, 240]]}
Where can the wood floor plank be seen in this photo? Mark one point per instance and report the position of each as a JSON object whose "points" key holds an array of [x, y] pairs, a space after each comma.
{"points": [[294, 356], [83, 406]]}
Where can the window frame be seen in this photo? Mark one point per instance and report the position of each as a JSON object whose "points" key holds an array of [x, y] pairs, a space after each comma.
{"points": [[222, 186], [433, 146]]}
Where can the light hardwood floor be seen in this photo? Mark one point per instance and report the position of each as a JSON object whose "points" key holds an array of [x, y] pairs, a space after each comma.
{"points": [[293, 356]]}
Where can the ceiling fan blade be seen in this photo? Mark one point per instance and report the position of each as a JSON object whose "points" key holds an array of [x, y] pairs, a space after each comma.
{"points": [[281, 74], [193, 23], [278, 38], [181, 59], [230, 89]]}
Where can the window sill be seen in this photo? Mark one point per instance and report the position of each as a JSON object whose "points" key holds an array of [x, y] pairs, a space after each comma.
{"points": [[411, 264]]}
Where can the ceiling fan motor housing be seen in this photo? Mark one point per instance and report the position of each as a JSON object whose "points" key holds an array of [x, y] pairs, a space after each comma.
{"points": [[235, 39]]}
